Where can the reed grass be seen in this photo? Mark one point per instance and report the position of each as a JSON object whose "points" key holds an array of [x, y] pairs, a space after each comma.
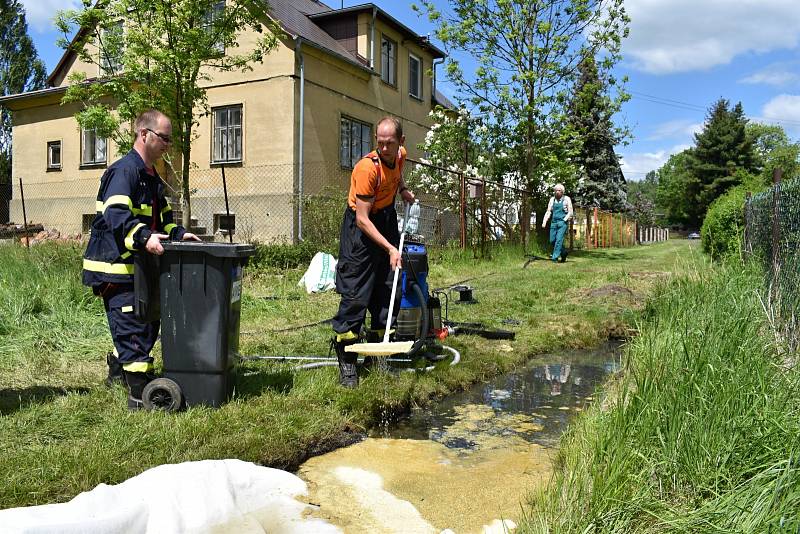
{"points": [[700, 433]]}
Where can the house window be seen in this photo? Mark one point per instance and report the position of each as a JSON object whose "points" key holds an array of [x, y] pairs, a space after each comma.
{"points": [[54, 156], [356, 137], [227, 141], [415, 76], [212, 16], [389, 61], [93, 148], [111, 49]]}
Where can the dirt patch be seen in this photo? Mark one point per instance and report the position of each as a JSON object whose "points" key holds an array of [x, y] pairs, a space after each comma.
{"points": [[610, 290]]}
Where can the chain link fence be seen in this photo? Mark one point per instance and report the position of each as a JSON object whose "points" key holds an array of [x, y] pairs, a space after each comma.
{"points": [[772, 239], [271, 204]]}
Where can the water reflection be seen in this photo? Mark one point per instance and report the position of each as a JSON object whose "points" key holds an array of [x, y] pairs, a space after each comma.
{"points": [[533, 404]]}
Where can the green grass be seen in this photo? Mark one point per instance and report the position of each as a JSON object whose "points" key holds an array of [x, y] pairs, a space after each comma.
{"points": [[701, 433], [63, 432]]}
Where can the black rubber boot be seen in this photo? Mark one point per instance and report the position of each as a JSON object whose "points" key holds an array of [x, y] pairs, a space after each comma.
{"points": [[348, 377], [136, 383], [563, 257], [114, 371]]}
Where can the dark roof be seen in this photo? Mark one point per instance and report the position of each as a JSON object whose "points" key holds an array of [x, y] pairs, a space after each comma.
{"points": [[420, 40], [293, 16]]}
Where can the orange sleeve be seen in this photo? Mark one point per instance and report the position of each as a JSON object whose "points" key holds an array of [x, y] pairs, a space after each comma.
{"points": [[364, 180]]}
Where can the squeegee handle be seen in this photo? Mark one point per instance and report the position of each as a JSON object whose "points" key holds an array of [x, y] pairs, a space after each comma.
{"points": [[396, 276]]}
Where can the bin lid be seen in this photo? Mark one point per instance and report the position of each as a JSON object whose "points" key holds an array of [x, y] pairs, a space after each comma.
{"points": [[221, 250]]}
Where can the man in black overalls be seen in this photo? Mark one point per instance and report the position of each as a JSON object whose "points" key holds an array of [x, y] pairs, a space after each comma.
{"points": [[369, 239]]}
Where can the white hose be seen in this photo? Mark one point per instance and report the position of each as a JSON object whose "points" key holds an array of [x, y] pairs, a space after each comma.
{"points": [[456, 360]]}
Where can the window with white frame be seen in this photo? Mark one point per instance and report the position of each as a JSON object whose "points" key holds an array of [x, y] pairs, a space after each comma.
{"points": [[388, 61], [111, 49], [227, 138], [415, 76], [53, 155], [355, 141], [93, 148], [213, 15]]}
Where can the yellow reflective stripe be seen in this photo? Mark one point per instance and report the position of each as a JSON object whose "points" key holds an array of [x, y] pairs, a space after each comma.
{"points": [[108, 268], [346, 336], [143, 210], [117, 199], [98, 206], [138, 367], [169, 227], [129, 237], [127, 309], [125, 255], [166, 208]]}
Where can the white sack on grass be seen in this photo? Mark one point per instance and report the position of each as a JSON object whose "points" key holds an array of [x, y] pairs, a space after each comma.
{"points": [[197, 497], [321, 273]]}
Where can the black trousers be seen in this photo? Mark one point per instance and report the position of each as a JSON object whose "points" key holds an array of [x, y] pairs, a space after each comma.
{"points": [[133, 339], [363, 275]]}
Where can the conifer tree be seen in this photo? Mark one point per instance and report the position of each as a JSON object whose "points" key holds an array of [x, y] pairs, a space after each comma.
{"points": [[601, 182], [721, 149]]}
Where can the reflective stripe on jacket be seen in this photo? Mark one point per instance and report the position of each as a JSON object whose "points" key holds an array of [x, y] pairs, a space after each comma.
{"points": [[124, 221]]}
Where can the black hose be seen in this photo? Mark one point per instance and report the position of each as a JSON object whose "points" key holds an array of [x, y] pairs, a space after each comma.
{"points": [[419, 343]]}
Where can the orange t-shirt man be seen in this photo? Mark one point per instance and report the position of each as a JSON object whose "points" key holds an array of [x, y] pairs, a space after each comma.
{"points": [[372, 178]]}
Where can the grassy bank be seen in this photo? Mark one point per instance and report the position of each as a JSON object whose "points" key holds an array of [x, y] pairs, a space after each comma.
{"points": [[62, 432], [702, 434]]}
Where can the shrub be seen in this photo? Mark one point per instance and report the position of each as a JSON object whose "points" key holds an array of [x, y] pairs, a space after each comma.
{"points": [[723, 226]]}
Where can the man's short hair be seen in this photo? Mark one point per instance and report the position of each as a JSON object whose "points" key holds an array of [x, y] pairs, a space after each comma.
{"points": [[148, 119], [398, 126]]}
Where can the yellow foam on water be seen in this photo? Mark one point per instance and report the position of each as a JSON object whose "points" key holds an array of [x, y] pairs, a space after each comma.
{"points": [[380, 349]]}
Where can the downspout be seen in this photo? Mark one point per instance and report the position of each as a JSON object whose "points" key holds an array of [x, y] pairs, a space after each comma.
{"points": [[372, 39], [299, 52], [440, 62]]}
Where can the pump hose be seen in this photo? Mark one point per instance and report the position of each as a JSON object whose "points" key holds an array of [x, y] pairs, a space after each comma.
{"points": [[419, 343]]}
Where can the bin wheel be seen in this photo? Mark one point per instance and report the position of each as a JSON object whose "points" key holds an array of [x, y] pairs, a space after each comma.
{"points": [[162, 394]]}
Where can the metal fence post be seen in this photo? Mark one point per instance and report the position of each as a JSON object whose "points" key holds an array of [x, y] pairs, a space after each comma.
{"points": [[484, 218], [24, 215], [463, 210], [746, 249], [776, 230]]}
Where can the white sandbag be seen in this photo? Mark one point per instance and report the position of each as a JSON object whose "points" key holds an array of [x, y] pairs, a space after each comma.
{"points": [[198, 497], [321, 273]]}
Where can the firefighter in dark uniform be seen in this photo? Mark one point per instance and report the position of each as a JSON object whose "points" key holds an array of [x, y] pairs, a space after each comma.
{"points": [[368, 244], [132, 217]]}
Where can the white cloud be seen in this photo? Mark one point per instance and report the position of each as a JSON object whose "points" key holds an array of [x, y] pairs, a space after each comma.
{"points": [[778, 74], [636, 165], [675, 128], [784, 110], [686, 35], [40, 13]]}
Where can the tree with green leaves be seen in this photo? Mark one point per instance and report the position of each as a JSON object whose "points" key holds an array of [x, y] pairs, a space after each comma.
{"points": [[158, 54], [774, 150], [601, 182], [721, 149], [21, 70], [642, 200], [527, 54], [677, 191]]}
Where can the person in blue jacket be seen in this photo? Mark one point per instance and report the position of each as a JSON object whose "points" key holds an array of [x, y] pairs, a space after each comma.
{"points": [[133, 216], [560, 207]]}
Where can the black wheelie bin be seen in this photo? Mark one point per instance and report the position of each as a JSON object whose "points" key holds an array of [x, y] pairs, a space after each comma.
{"points": [[200, 305]]}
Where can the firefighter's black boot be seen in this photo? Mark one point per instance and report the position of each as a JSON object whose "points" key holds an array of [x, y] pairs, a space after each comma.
{"points": [[348, 377], [136, 383], [114, 371]]}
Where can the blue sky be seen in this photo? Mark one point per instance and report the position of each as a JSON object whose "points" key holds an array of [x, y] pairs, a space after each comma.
{"points": [[681, 56]]}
